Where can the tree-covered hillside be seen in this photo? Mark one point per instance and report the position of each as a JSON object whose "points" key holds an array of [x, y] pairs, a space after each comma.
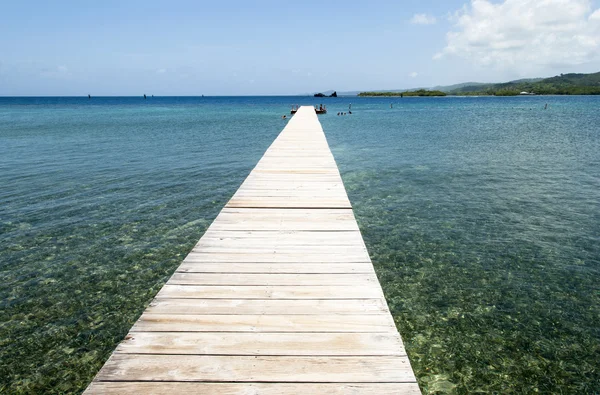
{"points": [[420, 92], [564, 84]]}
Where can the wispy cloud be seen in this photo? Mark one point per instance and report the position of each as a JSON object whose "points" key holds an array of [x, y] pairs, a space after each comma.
{"points": [[161, 71], [414, 74], [423, 19]]}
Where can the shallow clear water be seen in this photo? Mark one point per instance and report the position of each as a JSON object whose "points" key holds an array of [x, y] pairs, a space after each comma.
{"points": [[481, 216]]}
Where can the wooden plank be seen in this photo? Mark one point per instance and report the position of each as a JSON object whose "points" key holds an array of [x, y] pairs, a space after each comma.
{"points": [[287, 180], [283, 225], [267, 306], [280, 240], [276, 213], [249, 248], [261, 201], [211, 343], [220, 267], [279, 257], [281, 243], [265, 183], [161, 388], [320, 252], [297, 369], [361, 279], [269, 292], [285, 237], [295, 193], [372, 323]]}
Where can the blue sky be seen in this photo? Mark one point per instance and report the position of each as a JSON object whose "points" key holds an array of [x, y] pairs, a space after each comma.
{"points": [[276, 47]]}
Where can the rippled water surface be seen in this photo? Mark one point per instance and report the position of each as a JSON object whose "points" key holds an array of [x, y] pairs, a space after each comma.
{"points": [[482, 216]]}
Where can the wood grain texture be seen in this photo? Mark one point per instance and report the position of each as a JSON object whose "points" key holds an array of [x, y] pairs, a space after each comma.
{"points": [[248, 279], [372, 323], [298, 369], [282, 257], [161, 388], [253, 267], [267, 306], [269, 292], [295, 343]]}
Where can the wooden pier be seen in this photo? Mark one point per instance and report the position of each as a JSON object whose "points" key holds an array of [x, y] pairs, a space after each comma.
{"points": [[278, 297]]}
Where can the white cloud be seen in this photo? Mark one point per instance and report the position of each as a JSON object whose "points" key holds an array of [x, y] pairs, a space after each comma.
{"points": [[62, 69], [525, 34], [414, 74], [422, 19], [161, 71]]}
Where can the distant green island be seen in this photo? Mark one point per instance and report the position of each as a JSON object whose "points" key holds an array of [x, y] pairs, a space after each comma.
{"points": [[564, 84], [420, 92]]}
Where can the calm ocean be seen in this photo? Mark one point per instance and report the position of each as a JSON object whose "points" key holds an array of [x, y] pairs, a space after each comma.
{"points": [[481, 215]]}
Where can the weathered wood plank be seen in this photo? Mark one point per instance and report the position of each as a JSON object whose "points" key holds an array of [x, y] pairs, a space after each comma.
{"points": [[307, 268], [267, 306], [269, 292], [310, 344], [342, 251], [347, 238], [161, 388], [297, 369], [272, 279], [262, 201], [373, 323], [279, 257]]}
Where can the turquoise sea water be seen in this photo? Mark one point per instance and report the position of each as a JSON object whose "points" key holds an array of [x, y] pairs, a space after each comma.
{"points": [[481, 215]]}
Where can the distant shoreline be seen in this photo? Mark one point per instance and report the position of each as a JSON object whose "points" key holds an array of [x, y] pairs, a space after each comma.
{"points": [[419, 93], [563, 85], [479, 95]]}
